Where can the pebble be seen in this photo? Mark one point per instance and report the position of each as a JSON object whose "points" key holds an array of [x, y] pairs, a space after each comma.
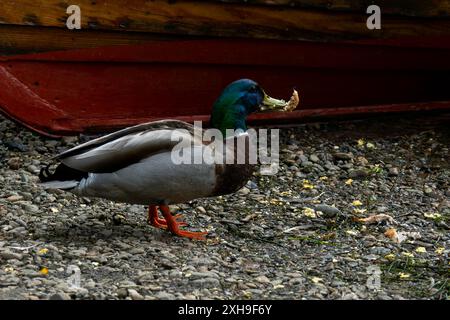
{"points": [[262, 279], [14, 198], [30, 207], [393, 171], [162, 295], [202, 209], [314, 158], [16, 146], [296, 281], [371, 257], [60, 296], [328, 211], [206, 274], [14, 163], [122, 293], [251, 185], [7, 255], [206, 282], [381, 251], [343, 156], [9, 280], [135, 295], [244, 191], [358, 173], [303, 158], [306, 164]]}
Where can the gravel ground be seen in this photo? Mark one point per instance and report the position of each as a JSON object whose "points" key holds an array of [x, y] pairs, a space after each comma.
{"points": [[302, 234]]}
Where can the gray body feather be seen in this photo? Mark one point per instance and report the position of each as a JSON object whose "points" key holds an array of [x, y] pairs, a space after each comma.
{"points": [[153, 180], [134, 165]]}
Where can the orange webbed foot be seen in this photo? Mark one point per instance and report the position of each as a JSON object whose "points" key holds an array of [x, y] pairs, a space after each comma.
{"points": [[190, 234], [173, 225], [154, 220]]}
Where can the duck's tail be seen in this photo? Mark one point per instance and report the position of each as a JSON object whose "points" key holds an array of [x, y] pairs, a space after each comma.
{"points": [[64, 177]]}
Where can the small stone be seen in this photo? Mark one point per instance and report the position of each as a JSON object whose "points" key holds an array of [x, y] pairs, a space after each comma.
{"points": [[122, 293], [331, 167], [8, 255], [14, 198], [207, 282], [16, 146], [303, 158], [70, 140], [296, 280], [393, 171], [201, 209], [328, 211], [381, 251], [162, 295], [244, 191], [14, 163], [262, 279], [314, 158], [371, 257], [135, 295], [206, 274], [300, 174], [118, 219], [60, 296], [30, 207], [346, 166], [9, 280], [174, 208], [306, 164], [362, 161], [350, 296], [51, 143], [358, 173], [33, 169], [251, 185], [343, 156]]}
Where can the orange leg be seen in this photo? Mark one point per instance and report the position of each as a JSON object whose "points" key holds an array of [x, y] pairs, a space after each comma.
{"points": [[154, 220], [173, 226]]}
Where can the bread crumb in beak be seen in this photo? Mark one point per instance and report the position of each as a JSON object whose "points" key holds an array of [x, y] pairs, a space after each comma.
{"points": [[293, 102]]}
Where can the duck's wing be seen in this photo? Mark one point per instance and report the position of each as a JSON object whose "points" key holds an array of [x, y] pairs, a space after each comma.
{"points": [[130, 145]]}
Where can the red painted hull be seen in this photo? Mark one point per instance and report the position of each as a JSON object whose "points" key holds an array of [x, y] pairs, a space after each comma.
{"points": [[68, 92]]}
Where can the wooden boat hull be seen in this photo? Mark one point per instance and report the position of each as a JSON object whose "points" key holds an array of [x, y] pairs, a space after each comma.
{"points": [[96, 80], [101, 88]]}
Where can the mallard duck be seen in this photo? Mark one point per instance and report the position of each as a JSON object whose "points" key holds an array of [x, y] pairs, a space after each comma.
{"points": [[134, 165]]}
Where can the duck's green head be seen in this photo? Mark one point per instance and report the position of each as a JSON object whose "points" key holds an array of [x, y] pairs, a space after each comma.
{"points": [[239, 99]]}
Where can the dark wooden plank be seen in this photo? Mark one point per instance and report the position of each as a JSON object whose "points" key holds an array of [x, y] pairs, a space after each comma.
{"points": [[16, 40], [219, 19], [414, 8]]}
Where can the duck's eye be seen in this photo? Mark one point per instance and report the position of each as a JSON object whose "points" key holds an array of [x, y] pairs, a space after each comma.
{"points": [[253, 89]]}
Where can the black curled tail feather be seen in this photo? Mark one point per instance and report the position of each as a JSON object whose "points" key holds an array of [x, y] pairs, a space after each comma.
{"points": [[62, 173], [44, 174]]}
